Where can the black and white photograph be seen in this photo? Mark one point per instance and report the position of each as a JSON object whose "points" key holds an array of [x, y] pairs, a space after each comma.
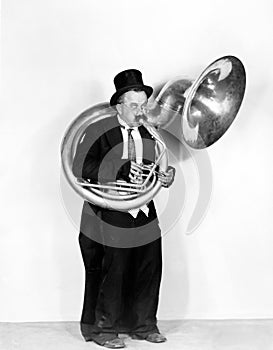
{"points": [[136, 175]]}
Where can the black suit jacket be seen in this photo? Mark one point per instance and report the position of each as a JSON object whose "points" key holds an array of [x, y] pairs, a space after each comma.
{"points": [[98, 158]]}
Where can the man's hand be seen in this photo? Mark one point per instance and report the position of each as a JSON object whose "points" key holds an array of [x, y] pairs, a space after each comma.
{"points": [[166, 177], [135, 174]]}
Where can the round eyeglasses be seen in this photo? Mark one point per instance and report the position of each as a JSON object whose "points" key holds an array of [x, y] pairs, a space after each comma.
{"points": [[135, 107]]}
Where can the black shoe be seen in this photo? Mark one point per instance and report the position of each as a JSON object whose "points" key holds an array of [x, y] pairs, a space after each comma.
{"points": [[156, 338], [116, 343], [152, 337]]}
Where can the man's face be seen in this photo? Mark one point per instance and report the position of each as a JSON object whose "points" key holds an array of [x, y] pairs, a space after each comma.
{"points": [[133, 107]]}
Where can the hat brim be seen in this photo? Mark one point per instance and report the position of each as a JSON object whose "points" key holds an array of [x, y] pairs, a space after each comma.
{"points": [[147, 89]]}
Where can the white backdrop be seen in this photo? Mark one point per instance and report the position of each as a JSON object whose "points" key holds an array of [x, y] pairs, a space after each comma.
{"points": [[59, 57]]}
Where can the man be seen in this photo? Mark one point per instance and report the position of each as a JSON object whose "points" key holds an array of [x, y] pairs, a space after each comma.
{"points": [[121, 250]]}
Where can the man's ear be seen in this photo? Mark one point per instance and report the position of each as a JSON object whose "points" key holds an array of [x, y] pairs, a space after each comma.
{"points": [[118, 107]]}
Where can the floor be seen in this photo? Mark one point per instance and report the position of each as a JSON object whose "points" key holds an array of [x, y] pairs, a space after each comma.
{"points": [[181, 334]]}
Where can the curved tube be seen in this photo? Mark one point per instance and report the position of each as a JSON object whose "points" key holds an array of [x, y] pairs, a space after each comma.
{"points": [[95, 193]]}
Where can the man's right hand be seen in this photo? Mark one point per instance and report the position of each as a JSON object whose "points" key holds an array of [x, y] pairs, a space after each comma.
{"points": [[135, 174]]}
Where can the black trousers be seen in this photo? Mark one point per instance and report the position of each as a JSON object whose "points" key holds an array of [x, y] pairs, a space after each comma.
{"points": [[121, 284]]}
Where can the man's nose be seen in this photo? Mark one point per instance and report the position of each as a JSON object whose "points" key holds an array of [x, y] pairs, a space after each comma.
{"points": [[139, 112]]}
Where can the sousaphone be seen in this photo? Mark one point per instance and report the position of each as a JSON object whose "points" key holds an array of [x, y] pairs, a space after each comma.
{"points": [[206, 108]]}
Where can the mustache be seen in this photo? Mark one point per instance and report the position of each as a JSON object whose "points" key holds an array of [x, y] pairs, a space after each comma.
{"points": [[141, 118]]}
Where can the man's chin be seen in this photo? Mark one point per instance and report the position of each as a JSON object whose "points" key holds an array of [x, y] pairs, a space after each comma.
{"points": [[134, 125]]}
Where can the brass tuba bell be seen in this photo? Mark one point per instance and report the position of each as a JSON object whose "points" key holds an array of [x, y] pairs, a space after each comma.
{"points": [[206, 106]]}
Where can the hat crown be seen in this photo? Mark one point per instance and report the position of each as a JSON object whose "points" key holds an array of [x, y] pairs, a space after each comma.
{"points": [[128, 80], [128, 77]]}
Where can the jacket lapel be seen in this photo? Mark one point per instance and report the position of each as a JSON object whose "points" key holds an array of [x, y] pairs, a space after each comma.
{"points": [[113, 135]]}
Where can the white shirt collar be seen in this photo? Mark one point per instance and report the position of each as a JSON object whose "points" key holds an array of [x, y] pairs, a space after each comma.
{"points": [[124, 124]]}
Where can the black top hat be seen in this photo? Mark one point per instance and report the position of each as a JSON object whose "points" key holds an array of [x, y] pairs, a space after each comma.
{"points": [[128, 80]]}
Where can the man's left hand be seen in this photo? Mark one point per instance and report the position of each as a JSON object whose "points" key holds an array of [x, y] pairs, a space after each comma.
{"points": [[167, 177]]}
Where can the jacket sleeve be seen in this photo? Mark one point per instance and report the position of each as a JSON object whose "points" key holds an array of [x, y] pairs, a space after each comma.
{"points": [[92, 162]]}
